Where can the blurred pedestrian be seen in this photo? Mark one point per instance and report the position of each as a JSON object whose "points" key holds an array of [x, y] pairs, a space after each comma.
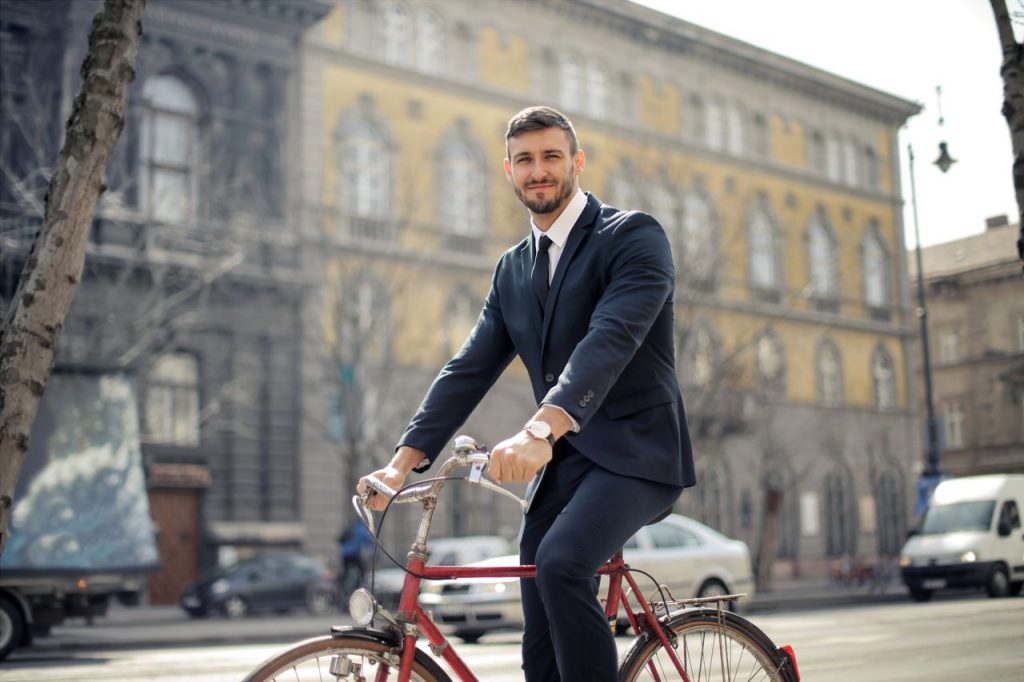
{"points": [[355, 544]]}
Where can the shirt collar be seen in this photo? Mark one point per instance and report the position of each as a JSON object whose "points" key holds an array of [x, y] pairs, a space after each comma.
{"points": [[559, 230]]}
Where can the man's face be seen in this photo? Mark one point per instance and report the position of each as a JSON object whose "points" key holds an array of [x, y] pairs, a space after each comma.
{"points": [[542, 170]]}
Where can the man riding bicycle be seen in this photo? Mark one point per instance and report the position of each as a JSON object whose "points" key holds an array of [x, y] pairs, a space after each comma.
{"points": [[586, 302]]}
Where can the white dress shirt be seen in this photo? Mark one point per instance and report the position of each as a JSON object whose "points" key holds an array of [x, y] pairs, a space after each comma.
{"points": [[559, 231]]}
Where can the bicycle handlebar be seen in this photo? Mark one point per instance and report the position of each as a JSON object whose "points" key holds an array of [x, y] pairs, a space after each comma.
{"points": [[466, 452]]}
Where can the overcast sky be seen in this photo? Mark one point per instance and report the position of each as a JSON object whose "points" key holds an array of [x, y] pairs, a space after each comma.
{"points": [[906, 48]]}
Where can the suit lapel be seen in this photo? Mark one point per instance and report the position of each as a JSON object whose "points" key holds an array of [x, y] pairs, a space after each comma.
{"points": [[576, 237]]}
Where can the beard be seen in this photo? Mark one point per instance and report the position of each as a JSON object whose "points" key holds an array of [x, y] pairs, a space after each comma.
{"points": [[562, 190]]}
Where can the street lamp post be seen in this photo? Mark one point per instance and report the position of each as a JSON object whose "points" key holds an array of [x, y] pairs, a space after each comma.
{"points": [[932, 472]]}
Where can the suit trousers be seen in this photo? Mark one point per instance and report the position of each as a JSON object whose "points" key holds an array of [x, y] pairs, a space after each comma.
{"points": [[579, 516]]}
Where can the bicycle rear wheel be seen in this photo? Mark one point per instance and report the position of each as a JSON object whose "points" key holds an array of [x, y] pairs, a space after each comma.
{"points": [[712, 646], [353, 655]]}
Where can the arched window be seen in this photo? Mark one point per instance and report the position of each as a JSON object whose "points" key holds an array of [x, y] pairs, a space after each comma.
{"points": [[830, 375], [850, 162], [833, 158], [761, 141], [884, 379], [698, 248], [597, 90], [365, 323], [735, 134], [714, 127], [430, 49], [364, 160], [663, 206], [764, 249], [700, 358], [694, 119], [838, 521], [398, 34], [822, 259], [463, 187], [771, 364], [876, 270], [168, 150], [891, 518], [871, 169], [816, 151], [569, 85]]}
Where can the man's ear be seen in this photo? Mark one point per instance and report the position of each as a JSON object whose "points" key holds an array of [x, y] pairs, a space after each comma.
{"points": [[580, 161], [507, 165]]}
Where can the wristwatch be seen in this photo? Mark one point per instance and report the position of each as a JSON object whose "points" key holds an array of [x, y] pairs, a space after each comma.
{"points": [[541, 431]]}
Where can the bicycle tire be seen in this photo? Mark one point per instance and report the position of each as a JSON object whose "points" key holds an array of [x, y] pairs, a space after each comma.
{"points": [[713, 646], [362, 654]]}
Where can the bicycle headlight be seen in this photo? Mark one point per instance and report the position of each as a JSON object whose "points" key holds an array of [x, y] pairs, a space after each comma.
{"points": [[362, 606]]}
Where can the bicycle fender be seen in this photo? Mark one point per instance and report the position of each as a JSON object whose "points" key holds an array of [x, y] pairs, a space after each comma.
{"points": [[366, 633]]}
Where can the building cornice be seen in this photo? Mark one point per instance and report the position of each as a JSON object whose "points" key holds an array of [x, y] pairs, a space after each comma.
{"points": [[675, 35]]}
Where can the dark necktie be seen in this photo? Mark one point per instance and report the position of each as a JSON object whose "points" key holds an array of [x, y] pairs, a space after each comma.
{"points": [[540, 270]]}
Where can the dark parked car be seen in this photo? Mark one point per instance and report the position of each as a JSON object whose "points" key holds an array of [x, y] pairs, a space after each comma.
{"points": [[270, 582]]}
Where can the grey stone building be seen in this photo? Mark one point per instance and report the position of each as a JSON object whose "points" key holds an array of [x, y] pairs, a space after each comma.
{"points": [[193, 278], [975, 300]]}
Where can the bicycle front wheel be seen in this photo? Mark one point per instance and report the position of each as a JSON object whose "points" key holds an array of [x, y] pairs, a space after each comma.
{"points": [[355, 655], [712, 646]]}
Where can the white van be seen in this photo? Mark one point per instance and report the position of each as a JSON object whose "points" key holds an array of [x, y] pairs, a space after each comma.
{"points": [[971, 536]]}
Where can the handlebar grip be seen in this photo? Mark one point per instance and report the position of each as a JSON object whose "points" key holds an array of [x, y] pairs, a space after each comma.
{"points": [[380, 486]]}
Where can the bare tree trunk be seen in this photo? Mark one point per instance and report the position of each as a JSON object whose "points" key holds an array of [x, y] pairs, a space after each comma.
{"points": [[28, 339], [768, 548], [1012, 71]]}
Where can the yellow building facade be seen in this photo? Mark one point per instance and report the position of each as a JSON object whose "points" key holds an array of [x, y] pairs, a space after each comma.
{"points": [[777, 184]]}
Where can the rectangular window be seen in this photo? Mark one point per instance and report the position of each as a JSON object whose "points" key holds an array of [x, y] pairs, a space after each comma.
{"points": [[953, 423], [949, 346], [172, 401]]}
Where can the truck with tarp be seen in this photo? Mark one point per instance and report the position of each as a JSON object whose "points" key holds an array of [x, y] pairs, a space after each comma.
{"points": [[80, 532]]}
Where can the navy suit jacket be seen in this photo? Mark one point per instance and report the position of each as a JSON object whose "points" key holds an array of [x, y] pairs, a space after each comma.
{"points": [[602, 350]]}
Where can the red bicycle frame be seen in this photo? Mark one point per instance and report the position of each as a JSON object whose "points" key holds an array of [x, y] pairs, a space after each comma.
{"points": [[410, 611]]}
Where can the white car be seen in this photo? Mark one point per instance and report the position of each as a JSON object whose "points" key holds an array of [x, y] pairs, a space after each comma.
{"points": [[690, 558], [388, 582]]}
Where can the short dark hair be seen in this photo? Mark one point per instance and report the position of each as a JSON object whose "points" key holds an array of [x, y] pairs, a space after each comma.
{"points": [[541, 118]]}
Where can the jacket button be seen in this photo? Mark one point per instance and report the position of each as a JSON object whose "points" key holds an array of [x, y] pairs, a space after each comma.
{"points": [[549, 378], [583, 403]]}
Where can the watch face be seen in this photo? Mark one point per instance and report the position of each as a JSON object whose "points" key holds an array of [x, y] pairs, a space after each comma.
{"points": [[539, 429]]}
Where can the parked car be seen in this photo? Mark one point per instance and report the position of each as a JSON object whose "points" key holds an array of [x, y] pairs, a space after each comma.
{"points": [[268, 582], [388, 582], [690, 558]]}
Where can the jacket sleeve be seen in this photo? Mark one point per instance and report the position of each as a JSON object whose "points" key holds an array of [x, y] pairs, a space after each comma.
{"points": [[463, 381], [641, 278]]}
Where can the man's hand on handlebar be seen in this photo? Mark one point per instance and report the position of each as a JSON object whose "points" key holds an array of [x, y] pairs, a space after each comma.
{"points": [[519, 458], [393, 475]]}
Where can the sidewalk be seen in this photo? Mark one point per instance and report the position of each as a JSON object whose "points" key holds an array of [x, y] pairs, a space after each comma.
{"points": [[805, 595], [169, 626]]}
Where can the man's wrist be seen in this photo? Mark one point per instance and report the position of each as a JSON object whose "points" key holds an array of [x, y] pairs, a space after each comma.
{"points": [[558, 418], [540, 430], [407, 458]]}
